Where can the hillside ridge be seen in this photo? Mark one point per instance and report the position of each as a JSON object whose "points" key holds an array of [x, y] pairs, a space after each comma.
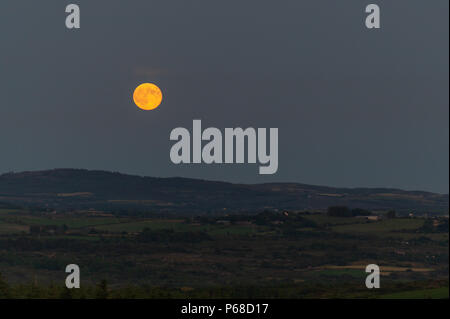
{"points": [[80, 188]]}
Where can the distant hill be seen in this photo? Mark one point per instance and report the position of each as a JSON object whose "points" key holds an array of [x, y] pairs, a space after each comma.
{"points": [[81, 189]]}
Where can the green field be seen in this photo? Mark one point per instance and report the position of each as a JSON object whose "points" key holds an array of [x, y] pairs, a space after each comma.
{"points": [[323, 220], [383, 226], [137, 226], [9, 229]]}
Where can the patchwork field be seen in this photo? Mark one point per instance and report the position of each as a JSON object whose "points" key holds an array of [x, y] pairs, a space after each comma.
{"points": [[295, 255]]}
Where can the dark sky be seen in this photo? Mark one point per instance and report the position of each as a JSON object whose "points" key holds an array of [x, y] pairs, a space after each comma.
{"points": [[354, 107]]}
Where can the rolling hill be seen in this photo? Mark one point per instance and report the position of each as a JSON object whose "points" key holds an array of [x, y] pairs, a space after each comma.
{"points": [[80, 189]]}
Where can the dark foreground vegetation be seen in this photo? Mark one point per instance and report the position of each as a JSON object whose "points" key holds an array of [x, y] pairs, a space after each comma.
{"points": [[270, 254], [402, 290]]}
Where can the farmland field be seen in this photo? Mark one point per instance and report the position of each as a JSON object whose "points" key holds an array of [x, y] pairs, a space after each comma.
{"points": [[300, 255]]}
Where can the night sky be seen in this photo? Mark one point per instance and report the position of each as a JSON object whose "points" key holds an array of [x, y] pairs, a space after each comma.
{"points": [[354, 107]]}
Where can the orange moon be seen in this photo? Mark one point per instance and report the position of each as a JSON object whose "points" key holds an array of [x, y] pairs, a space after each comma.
{"points": [[147, 96]]}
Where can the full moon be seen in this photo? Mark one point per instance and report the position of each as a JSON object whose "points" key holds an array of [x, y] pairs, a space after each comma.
{"points": [[147, 96]]}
